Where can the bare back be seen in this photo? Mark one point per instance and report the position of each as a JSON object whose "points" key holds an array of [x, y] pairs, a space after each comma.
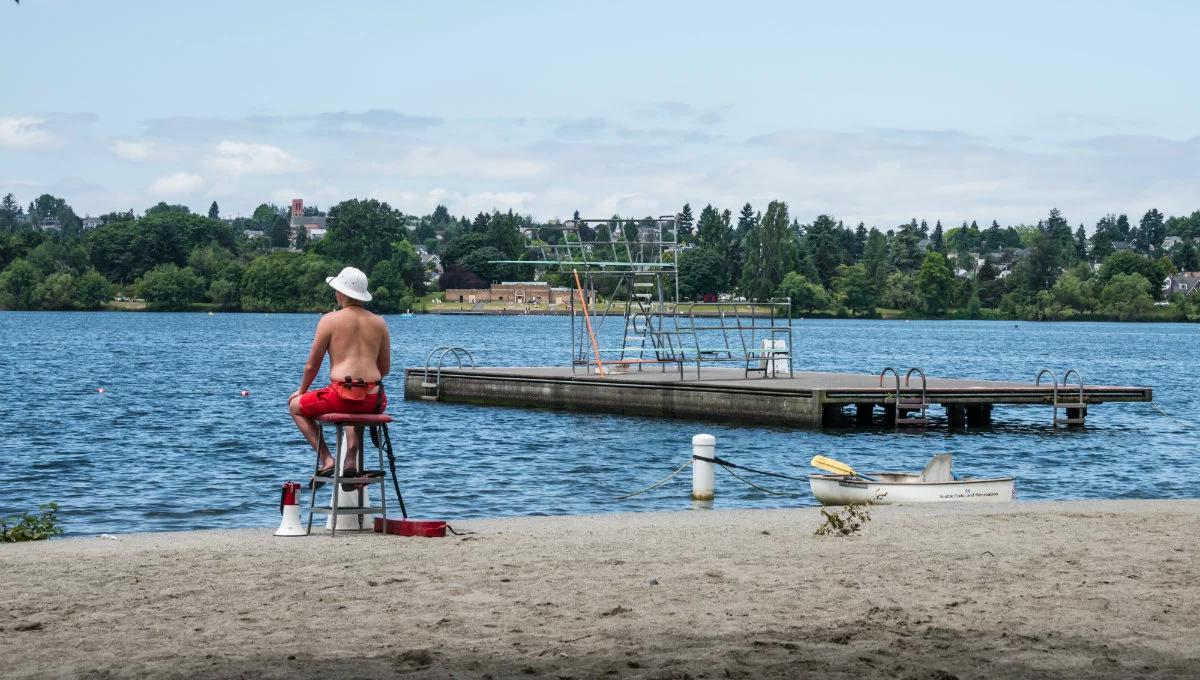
{"points": [[358, 344]]}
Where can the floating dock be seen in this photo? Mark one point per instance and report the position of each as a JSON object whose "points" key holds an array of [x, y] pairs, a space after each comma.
{"points": [[804, 400]]}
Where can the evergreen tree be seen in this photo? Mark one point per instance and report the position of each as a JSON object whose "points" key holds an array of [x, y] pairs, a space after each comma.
{"points": [[684, 224], [214, 212], [770, 253], [1187, 258], [860, 242], [1122, 229], [10, 212], [875, 257], [746, 221], [938, 243], [1151, 231], [1081, 243], [821, 244]]}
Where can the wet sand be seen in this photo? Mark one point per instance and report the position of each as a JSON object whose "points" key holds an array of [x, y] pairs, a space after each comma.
{"points": [[1042, 590]]}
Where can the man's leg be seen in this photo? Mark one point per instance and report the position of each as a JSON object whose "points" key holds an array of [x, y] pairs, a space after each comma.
{"points": [[311, 432], [354, 446]]}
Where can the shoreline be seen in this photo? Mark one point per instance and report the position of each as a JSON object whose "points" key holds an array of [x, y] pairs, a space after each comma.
{"points": [[1103, 589]]}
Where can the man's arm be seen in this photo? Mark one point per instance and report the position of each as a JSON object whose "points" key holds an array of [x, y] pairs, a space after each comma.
{"points": [[316, 355], [384, 360]]}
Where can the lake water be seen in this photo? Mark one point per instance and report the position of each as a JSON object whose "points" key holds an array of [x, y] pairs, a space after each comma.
{"points": [[170, 444]]}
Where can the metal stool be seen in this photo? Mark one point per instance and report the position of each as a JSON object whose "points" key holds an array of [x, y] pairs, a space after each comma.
{"points": [[359, 421]]}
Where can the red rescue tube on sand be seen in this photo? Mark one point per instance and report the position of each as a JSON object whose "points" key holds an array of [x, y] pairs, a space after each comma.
{"points": [[428, 528]]}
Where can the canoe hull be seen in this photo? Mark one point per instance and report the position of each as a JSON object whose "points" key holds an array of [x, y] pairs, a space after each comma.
{"points": [[894, 488]]}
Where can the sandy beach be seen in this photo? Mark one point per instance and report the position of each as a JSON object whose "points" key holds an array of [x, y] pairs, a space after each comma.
{"points": [[1088, 589]]}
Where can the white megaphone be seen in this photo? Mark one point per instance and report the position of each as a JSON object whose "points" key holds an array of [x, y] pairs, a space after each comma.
{"points": [[289, 524]]}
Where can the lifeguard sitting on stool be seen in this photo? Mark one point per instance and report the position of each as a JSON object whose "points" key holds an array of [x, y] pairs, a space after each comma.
{"points": [[359, 348]]}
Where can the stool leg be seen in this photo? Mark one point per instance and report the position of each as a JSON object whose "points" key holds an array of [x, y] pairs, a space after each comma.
{"points": [[312, 491], [382, 479], [337, 480], [359, 461]]}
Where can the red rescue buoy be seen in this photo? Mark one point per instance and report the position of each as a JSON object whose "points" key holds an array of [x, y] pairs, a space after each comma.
{"points": [[244, 393], [429, 528], [99, 390]]}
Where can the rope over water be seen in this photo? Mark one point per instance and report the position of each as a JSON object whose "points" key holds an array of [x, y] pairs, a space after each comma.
{"points": [[725, 465]]}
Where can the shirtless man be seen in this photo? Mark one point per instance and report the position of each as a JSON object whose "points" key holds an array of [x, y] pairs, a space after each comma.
{"points": [[360, 356]]}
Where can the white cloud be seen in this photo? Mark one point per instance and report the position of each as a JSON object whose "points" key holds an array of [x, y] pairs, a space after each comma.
{"points": [[245, 158], [133, 151], [24, 132], [176, 184], [461, 162]]}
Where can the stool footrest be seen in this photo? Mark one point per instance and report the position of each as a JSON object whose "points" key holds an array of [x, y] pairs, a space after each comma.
{"points": [[326, 510], [350, 480]]}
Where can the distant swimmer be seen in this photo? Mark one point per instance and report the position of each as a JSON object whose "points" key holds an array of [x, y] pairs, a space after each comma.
{"points": [[359, 349]]}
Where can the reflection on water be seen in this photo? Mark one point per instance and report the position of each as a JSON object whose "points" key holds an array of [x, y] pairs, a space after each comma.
{"points": [[170, 444]]}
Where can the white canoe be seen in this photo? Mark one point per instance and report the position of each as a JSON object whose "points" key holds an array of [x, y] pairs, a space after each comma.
{"points": [[894, 487]]}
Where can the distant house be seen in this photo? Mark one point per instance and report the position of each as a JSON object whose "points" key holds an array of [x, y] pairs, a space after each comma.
{"points": [[1170, 242], [1183, 283], [1119, 246], [50, 224], [313, 225], [254, 233], [91, 223]]}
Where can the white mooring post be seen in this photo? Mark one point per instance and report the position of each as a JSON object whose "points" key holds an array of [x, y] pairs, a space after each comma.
{"points": [[703, 477]]}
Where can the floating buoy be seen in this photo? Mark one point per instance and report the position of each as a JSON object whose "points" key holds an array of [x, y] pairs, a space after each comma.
{"points": [[244, 393], [99, 390]]}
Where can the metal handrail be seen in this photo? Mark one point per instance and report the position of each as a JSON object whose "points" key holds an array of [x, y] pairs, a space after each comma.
{"points": [[1054, 395], [923, 384], [458, 353], [1079, 377]]}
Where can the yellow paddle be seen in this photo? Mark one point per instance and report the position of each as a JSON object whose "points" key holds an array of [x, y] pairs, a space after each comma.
{"points": [[837, 467]]}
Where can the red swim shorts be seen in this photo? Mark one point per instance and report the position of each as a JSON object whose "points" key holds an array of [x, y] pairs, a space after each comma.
{"points": [[332, 399]]}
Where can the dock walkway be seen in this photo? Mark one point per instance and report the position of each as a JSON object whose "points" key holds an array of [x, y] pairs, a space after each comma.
{"points": [[809, 399]]}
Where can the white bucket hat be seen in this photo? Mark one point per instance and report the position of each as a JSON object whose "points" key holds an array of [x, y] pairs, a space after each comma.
{"points": [[350, 282]]}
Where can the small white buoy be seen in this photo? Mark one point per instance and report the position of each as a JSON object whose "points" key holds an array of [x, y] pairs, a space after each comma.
{"points": [[244, 393], [703, 472], [99, 390]]}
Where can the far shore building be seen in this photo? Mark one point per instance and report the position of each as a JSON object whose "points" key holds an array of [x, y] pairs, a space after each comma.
{"points": [[1183, 283], [313, 225], [515, 292]]}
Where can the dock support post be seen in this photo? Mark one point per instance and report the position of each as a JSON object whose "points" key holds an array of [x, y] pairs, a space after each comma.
{"points": [[1073, 413], [956, 414], [831, 415], [979, 415], [889, 415], [862, 414], [703, 473]]}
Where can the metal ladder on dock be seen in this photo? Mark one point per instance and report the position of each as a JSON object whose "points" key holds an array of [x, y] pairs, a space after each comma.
{"points": [[433, 388], [903, 406], [1079, 404]]}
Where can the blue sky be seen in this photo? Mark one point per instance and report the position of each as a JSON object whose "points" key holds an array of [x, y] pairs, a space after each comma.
{"points": [[867, 111]]}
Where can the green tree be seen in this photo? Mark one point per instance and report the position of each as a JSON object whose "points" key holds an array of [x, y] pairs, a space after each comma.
{"points": [[900, 292], [1127, 296], [214, 211], [57, 292], [92, 290], [288, 282], [1126, 262], [1187, 258], [167, 287], [770, 253], [935, 282], [1070, 291], [1151, 232], [855, 289], [938, 242], [683, 223], [10, 212], [701, 272], [822, 245], [17, 284], [805, 295], [875, 257], [362, 232]]}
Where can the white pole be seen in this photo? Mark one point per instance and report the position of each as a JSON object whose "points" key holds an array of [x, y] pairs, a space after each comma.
{"points": [[703, 477]]}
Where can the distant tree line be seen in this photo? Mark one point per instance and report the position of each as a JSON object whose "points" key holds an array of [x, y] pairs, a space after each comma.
{"points": [[177, 259]]}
